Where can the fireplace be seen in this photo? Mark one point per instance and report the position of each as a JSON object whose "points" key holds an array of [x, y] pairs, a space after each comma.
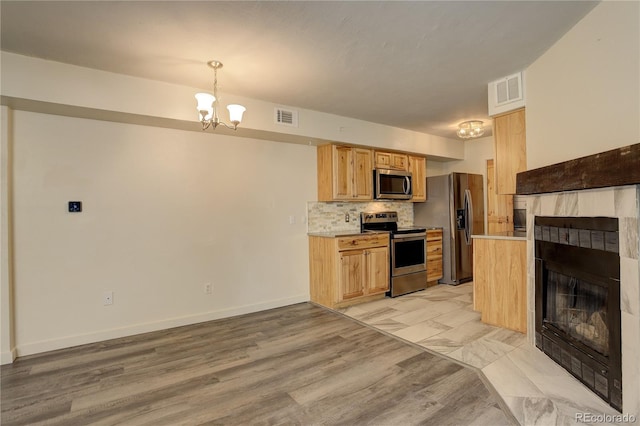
{"points": [[577, 299]]}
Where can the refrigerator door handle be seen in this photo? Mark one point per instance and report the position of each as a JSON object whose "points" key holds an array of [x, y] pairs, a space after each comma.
{"points": [[468, 210]]}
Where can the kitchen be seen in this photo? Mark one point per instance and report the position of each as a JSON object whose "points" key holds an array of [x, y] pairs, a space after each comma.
{"points": [[275, 247], [356, 297]]}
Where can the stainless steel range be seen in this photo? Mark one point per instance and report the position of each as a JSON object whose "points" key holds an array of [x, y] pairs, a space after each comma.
{"points": [[408, 251]]}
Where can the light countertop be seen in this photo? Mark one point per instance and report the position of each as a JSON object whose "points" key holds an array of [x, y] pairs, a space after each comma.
{"points": [[334, 234], [507, 235], [349, 233]]}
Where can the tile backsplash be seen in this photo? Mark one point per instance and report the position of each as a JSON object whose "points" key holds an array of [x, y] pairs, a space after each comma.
{"points": [[330, 216]]}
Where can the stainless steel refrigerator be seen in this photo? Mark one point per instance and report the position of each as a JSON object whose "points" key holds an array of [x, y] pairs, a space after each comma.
{"points": [[455, 202]]}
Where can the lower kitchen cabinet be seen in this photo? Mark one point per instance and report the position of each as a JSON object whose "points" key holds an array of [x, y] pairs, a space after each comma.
{"points": [[434, 256], [349, 269], [500, 281]]}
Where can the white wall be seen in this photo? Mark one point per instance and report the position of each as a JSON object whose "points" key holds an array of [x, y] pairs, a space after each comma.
{"points": [[476, 154], [7, 342], [165, 211], [583, 94], [71, 89]]}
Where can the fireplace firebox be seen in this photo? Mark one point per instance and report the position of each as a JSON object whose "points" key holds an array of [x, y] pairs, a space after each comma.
{"points": [[578, 300]]}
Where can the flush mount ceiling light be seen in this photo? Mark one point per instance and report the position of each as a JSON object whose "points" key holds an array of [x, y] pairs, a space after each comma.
{"points": [[208, 105], [470, 129]]}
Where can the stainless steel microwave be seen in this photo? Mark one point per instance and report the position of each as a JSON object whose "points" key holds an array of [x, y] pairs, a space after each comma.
{"points": [[392, 184]]}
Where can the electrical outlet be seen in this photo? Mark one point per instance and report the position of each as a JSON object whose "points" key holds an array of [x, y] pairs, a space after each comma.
{"points": [[107, 298], [208, 288]]}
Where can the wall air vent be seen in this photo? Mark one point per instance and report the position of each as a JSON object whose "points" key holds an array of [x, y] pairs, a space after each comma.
{"points": [[506, 94], [508, 90], [286, 117]]}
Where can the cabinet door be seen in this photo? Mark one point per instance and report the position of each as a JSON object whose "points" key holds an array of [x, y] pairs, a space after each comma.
{"points": [[510, 141], [400, 162], [382, 160], [362, 174], [391, 160], [434, 255], [418, 169], [378, 270], [499, 207], [342, 172], [351, 274]]}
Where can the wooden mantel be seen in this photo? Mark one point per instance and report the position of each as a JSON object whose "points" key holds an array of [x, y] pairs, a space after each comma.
{"points": [[617, 167]]}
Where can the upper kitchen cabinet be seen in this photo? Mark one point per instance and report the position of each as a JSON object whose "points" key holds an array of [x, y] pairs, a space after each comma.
{"points": [[344, 173], [391, 160], [418, 169], [510, 149]]}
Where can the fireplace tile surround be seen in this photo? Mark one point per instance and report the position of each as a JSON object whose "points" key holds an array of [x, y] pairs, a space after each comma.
{"points": [[623, 203]]}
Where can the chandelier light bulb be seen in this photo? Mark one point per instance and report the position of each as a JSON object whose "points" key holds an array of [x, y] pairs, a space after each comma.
{"points": [[205, 105], [235, 113]]}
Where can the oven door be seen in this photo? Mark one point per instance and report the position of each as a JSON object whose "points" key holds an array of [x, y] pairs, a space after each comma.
{"points": [[408, 253]]}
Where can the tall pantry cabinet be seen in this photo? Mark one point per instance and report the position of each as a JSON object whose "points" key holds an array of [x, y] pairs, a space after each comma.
{"points": [[510, 149]]}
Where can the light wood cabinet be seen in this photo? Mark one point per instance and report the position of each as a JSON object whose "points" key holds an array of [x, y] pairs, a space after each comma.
{"points": [[344, 173], [499, 207], [499, 282], [418, 169], [434, 256], [391, 160], [351, 278], [348, 270], [509, 135]]}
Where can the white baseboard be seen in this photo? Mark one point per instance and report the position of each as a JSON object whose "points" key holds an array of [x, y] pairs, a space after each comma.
{"points": [[81, 339], [7, 357]]}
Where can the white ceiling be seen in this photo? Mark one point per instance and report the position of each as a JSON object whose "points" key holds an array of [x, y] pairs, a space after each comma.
{"points": [[421, 65]]}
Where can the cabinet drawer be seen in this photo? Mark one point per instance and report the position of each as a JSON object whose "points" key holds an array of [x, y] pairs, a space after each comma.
{"points": [[377, 240], [434, 269], [434, 249], [434, 234]]}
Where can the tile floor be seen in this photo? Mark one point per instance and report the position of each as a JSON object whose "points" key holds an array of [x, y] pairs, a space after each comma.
{"points": [[441, 319]]}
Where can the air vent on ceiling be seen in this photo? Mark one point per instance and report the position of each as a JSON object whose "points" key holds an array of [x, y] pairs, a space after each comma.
{"points": [[506, 94], [286, 117]]}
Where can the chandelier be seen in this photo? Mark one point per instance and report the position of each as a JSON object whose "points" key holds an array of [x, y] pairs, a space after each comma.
{"points": [[470, 129], [208, 105]]}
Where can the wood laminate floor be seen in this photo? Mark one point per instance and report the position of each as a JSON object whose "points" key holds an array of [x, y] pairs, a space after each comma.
{"points": [[300, 364]]}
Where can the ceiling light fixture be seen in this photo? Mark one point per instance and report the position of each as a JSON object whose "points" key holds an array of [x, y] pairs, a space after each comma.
{"points": [[208, 105], [470, 129]]}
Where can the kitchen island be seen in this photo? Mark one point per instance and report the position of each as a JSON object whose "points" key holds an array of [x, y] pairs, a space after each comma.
{"points": [[499, 279]]}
